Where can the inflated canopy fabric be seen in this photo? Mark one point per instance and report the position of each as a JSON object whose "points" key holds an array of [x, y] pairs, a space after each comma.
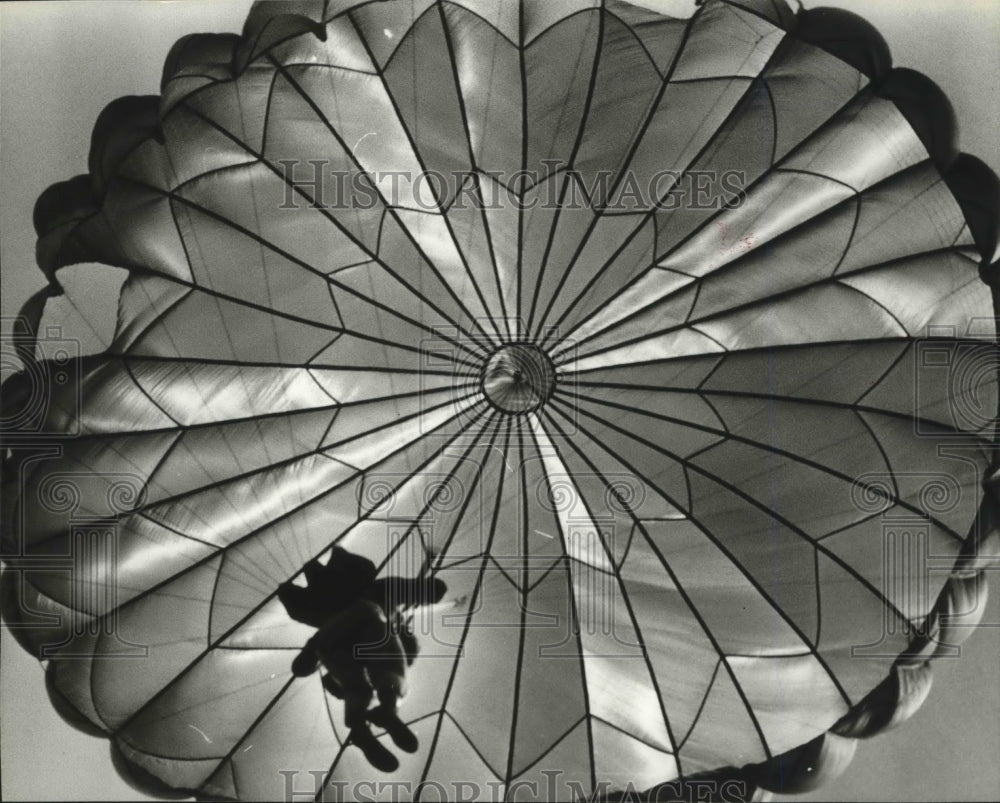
{"points": [[890, 703], [664, 446]]}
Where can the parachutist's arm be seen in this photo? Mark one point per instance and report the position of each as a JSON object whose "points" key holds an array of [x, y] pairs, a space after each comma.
{"points": [[329, 589], [300, 603], [344, 564], [393, 593], [314, 572], [306, 662]]}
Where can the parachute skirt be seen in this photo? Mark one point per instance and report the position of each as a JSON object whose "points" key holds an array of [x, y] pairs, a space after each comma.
{"points": [[673, 450]]}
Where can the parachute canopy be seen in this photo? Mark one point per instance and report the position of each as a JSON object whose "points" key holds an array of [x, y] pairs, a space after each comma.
{"points": [[662, 341]]}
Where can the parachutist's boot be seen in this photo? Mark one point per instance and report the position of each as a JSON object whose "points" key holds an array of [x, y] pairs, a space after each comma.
{"points": [[401, 735], [375, 752]]}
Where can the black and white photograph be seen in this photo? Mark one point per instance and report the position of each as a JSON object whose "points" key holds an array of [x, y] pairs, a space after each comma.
{"points": [[500, 400]]}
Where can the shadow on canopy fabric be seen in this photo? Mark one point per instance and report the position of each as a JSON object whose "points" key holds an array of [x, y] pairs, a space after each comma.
{"points": [[664, 342]]}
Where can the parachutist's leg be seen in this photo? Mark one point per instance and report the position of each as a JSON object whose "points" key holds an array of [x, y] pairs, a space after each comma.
{"points": [[389, 679], [357, 698], [306, 662], [410, 645], [357, 690], [375, 752], [331, 685], [386, 665], [404, 738], [388, 674]]}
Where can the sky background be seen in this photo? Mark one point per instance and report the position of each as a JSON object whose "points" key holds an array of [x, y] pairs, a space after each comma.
{"points": [[62, 62]]}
